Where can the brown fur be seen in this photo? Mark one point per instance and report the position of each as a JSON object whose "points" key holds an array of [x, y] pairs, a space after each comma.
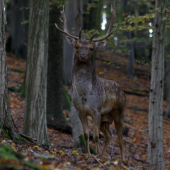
{"points": [[100, 98]]}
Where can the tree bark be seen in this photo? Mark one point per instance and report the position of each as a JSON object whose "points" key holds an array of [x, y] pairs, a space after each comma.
{"points": [[155, 145], [77, 129], [55, 67], [5, 115], [35, 124]]}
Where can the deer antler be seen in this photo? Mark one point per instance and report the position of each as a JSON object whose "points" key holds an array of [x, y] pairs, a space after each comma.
{"points": [[65, 26], [109, 32]]}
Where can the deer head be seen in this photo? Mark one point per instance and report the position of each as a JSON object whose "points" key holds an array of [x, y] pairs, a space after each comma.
{"points": [[84, 48]]}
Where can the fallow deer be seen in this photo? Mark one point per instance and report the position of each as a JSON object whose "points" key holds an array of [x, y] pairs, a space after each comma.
{"points": [[93, 96]]}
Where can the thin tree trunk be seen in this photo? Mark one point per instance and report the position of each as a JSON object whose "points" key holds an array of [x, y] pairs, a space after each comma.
{"points": [[55, 67], [77, 129], [131, 55], [167, 79], [5, 115], [155, 145], [130, 47], [35, 124], [167, 113], [67, 49]]}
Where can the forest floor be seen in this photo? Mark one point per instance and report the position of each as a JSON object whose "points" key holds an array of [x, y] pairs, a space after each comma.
{"points": [[62, 154]]}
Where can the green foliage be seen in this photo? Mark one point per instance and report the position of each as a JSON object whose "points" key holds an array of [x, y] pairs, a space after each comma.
{"points": [[25, 22], [58, 3], [8, 153]]}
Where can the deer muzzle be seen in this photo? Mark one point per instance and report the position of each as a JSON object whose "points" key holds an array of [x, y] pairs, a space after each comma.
{"points": [[83, 57]]}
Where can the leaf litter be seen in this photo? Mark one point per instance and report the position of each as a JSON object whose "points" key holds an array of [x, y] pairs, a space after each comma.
{"points": [[62, 154]]}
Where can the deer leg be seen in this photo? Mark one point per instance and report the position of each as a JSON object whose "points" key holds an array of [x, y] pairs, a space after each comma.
{"points": [[86, 131], [119, 127], [96, 125], [107, 134]]}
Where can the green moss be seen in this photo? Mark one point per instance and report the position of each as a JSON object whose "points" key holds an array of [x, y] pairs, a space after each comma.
{"points": [[17, 70], [21, 90], [82, 145], [6, 134], [20, 139]]}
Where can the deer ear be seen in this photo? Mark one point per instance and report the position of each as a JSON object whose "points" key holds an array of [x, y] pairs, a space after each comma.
{"points": [[71, 41], [99, 44]]}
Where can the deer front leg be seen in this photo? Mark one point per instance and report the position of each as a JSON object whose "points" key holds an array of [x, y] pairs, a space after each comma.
{"points": [[96, 126], [84, 122]]}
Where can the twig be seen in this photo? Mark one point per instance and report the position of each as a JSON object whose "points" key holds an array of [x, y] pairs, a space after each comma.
{"points": [[97, 160], [15, 125], [139, 160]]}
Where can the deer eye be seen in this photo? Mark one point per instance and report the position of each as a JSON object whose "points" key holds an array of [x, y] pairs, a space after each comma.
{"points": [[91, 48], [76, 47]]}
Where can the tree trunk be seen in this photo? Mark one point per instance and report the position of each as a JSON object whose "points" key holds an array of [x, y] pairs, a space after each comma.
{"points": [[167, 79], [155, 145], [167, 113], [18, 32], [77, 129], [5, 115], [131, 55], [130, 47], [55, 67], [35, 124], [67, 49]]}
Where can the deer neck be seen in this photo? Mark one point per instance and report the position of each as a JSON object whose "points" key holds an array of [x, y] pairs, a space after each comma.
{"points": [[84, 71]]}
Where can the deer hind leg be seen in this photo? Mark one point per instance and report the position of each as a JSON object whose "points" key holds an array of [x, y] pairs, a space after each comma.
{"points": [[119, 127], [104, 127], [86, 131], [96, 125]]}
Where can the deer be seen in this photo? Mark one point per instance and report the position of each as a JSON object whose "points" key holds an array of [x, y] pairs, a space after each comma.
{"points": [[93, 96]]}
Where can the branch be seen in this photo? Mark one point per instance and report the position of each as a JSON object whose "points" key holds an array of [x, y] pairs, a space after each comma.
{"points": [[97, 160]]}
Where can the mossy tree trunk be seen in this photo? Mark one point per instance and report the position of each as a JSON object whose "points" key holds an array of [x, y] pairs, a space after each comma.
{"points": [[5, 115], [35, 124]]}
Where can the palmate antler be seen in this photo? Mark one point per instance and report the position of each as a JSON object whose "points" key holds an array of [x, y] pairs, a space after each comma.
{"points": [[109, 32]]}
